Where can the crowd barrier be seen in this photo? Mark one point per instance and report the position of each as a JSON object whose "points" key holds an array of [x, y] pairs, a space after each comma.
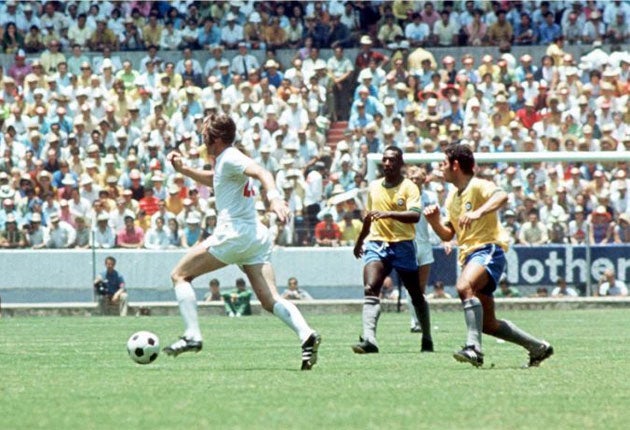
{"points": [[66, 275]]}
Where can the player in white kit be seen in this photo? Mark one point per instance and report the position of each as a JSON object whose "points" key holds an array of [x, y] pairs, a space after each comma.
{"points": [[239, 238], [424, 255]]}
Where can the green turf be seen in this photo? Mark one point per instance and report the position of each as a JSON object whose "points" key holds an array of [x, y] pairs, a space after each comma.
{"points": [[74, 373]]}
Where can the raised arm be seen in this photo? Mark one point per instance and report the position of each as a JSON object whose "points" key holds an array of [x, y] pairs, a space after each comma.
{"points": [[277, 205], [203, 177]]}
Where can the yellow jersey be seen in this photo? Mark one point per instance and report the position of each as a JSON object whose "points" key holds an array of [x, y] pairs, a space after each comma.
{"points": [[485, 230], [400, 198]]}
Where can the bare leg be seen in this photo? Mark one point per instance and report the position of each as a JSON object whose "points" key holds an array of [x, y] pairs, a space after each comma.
{"points": [[262, 279]]}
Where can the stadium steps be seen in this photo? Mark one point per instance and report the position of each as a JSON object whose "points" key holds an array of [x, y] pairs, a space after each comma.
{"points": [[336, 131]]}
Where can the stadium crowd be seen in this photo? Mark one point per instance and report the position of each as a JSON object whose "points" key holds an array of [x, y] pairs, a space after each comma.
{"points": [[84, 138]]}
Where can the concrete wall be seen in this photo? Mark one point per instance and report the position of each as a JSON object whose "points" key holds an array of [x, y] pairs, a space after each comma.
{"points": [[285, 55], [73, 269]]}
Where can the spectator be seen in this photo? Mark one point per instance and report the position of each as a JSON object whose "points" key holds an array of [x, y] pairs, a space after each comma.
{"points": [[129, 235], [214, 293], [102, 37], [11, 236], [609, 285], [157, 236], [103, 234], [350, 228], [533, 232], [174, 233], [232, 33], [594, 29], [152, 31], [506, 290], [439, 292], [602, 226], [524, 31], [110, 289], [294, 292], [339, 34], [476, 30], [417, 32], [501, 31], [549, 31], [390, 31], [622, 229], [60, 234], [366, 54], [191, 233], [327, 232], [243, 62], [237, 302], [618, 31], [563, 290], [445, 31]]}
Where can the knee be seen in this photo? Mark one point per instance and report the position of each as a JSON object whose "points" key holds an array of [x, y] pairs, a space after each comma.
{"points": [[490, 327], [177, 276], [464, 290], [370, 290]]}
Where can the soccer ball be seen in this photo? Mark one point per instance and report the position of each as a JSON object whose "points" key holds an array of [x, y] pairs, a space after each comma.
{"points": [[143, 347]]}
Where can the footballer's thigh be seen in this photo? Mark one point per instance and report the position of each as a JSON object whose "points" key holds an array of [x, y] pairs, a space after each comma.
{"points": [[473, 279], [197, 261], [374, 274], [263, 280]]}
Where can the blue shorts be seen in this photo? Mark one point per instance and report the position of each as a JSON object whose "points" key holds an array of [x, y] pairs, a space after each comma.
{"points": [[492, 258], [395, 255]]}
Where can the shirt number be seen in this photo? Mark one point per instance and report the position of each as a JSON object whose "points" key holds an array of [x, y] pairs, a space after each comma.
{"points": [[248, 189]]}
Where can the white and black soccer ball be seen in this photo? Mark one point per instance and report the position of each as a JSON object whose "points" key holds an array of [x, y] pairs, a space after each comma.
{"points": [[143, 347]]}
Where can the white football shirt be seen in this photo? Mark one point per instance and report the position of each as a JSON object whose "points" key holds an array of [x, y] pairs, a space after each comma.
{"points": [[233, 190]]}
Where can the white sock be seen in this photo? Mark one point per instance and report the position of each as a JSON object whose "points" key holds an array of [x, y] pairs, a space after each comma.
{"points": [[291, 316], [187, 301]]}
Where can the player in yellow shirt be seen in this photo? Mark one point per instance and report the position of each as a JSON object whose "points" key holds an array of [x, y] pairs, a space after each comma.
{"points": [[389, 231], [472, 215]]}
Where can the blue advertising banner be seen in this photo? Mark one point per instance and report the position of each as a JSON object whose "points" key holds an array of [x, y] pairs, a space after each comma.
{"points": [[543, 265]]}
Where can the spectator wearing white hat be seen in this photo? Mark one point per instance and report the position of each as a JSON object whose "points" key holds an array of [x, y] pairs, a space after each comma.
{"points": [[232, 33], [60, 234]]}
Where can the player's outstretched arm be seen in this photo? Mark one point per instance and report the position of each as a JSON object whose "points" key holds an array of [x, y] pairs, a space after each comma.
{"points": [[445, 231], [277, 205], [203, 177]]}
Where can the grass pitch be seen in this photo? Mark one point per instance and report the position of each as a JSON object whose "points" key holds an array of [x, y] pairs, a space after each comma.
{"points": [[74, 373]]}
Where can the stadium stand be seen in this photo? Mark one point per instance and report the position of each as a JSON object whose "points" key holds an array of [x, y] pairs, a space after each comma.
{"points": [[95, 94]]}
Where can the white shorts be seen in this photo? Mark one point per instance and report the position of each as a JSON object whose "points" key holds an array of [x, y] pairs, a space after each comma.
{"points": [[424, 254], [242, 244]]}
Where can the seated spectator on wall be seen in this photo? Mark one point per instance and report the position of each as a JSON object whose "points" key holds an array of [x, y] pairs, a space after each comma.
{"points": [[609, 285], [237, 302], [505, 290], [563, 290]]}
